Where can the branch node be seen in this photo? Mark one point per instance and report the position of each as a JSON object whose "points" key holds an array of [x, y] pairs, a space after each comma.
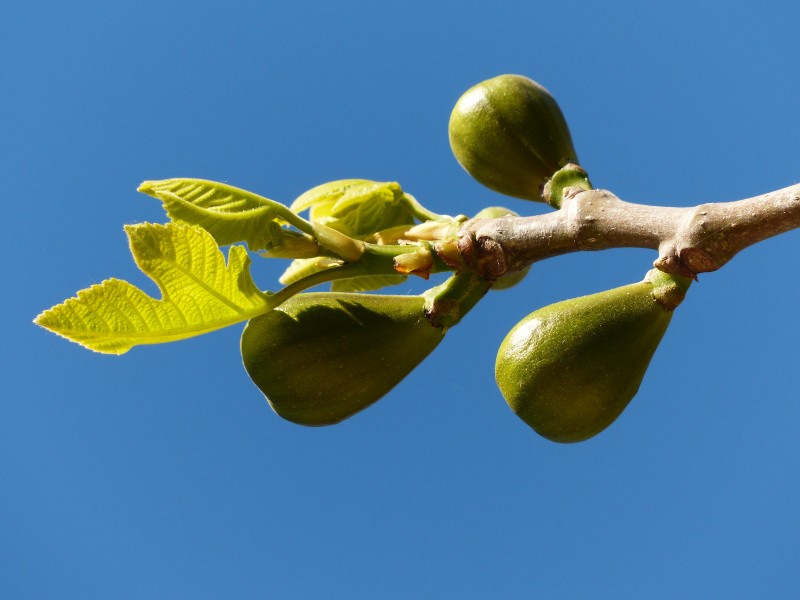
{"points": [[491, 259], [479, 249], [698, 260]]}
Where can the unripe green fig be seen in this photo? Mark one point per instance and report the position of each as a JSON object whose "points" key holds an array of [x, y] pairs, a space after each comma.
{"points": [[510, 135], [321, 357], [569, 370]]}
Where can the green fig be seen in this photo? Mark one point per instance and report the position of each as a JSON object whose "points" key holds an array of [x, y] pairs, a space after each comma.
{"points": [[321, 357], [510, 135], [570, 369]]}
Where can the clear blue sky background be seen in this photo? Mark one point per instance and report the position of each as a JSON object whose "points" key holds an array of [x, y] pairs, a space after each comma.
{"points": [[164, 474]]}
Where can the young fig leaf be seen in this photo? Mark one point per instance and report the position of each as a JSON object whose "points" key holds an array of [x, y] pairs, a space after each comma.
{"points": [[200, 293], [230, 214], [356, 207]]}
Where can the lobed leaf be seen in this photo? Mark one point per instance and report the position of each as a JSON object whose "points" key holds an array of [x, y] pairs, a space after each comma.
{"points": [[200, 293], [230, 214]]}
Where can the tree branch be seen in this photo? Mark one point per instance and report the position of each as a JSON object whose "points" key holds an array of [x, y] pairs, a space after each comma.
{"points": [[689, 240]]}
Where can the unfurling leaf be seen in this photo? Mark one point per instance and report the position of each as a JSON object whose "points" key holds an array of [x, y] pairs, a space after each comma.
{"points": [[230, 214], [303, 267], [321, 199], [200, 293], [357, 207]]}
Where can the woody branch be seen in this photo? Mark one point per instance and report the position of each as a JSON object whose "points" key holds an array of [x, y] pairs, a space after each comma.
{"points": [[689, 240]]}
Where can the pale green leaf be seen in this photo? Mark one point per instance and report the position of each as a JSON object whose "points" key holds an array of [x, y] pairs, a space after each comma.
{"points": [[373, 192], [356, 207], [230, 214], [329, 193], [368, 218], [303, 267], [200, 293]]}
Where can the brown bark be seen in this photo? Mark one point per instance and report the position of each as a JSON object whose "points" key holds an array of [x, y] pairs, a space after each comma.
{"points": [[688, 240]]}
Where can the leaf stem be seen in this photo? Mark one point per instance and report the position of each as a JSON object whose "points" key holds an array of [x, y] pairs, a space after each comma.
{"points": [[376, 260], [446, 304], [420, 212]]}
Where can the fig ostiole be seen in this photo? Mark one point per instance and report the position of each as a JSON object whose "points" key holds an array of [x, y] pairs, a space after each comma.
{"points": [[509, 133], [321, 357], [569, 369]]}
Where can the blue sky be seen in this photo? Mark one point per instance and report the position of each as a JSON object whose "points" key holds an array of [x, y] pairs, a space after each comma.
{"points": [[164, 474]]}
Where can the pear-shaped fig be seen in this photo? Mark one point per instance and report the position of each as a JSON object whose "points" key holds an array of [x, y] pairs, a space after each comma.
{"points": [[510, 135], [322, 357], [570, 369]]}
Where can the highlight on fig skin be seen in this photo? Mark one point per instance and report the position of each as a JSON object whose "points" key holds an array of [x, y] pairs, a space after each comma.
{"points": [[509, 133], [321, 357], [569, 369]]}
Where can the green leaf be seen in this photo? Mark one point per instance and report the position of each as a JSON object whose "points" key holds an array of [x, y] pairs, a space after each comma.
{"points": [[371, 192], [230, 214], [356, 207], [321, 199], [200, 293], [303, 267]]}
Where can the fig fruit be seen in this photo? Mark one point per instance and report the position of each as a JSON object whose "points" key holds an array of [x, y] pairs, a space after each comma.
{"points": [[321, 357], [510, 135], [570, 369]]}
